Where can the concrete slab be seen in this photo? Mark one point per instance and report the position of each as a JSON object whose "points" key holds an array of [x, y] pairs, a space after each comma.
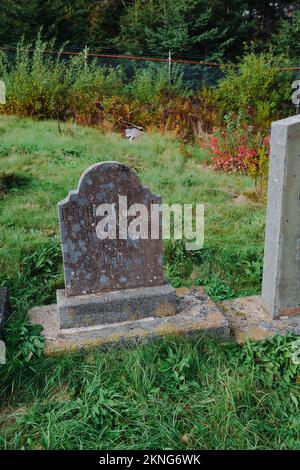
{"points": [[248, 319], [196, 313], [114, 307]]}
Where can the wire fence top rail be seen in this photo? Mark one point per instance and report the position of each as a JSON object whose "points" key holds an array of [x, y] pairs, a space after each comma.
{"points": [[174, 59]]}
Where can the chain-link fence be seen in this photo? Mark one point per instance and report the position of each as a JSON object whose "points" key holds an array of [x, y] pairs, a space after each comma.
{"points": [[191, 72]]}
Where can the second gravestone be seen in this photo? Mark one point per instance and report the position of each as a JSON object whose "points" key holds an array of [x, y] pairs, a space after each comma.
{"points": [[281, 280], [112, 251]]}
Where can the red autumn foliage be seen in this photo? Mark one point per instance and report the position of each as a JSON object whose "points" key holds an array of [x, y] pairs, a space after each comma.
{"points": [[239, 151]]}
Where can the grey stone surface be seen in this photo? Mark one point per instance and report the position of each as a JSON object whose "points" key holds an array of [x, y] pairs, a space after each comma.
{"points": [[281, 278], [117, 306], [196, 314], [92, 265], [4, 306], [249, 319]]}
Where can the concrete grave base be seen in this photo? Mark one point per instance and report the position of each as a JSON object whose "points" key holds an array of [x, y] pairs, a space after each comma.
{"points": [[115, 307], [196, 312], [249, 320]]}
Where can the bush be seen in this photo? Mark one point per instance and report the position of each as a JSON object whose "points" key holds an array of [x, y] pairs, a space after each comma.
{"points": [[239, 150], [43, 85], [46, 86], [258, 89], [39, 85]]}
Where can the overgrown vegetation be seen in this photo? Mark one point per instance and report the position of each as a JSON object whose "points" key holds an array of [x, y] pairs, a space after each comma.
{"points": [[237, 149], [258, 90], [174, 394], [46, 86]]}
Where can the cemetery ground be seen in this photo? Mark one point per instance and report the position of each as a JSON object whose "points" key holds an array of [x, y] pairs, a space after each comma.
{"points": [[175, 393]]}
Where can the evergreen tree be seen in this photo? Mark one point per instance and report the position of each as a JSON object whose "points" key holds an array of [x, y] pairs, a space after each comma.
{"points": [[80, 22], [287, 40], [209, 28]]}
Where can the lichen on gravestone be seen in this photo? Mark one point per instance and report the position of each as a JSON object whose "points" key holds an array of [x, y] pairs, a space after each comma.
{"points": [[93, 265]]}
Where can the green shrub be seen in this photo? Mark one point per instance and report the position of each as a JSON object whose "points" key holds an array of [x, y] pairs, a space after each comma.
{"points": [[257, 89], [275, 360], [45, 86]]}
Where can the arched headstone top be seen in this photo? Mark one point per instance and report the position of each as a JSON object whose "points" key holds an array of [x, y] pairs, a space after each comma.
{"points": [[100, 181]]}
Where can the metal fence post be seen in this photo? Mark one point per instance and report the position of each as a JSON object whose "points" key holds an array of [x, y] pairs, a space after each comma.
{"points": [[85, 56]]}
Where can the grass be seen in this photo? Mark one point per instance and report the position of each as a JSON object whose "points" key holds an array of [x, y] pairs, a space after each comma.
{"points": [[173, 394], [38, 167]]}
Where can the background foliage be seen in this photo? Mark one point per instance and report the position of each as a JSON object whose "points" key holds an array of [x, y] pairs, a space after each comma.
{"points": [[206, 28]]}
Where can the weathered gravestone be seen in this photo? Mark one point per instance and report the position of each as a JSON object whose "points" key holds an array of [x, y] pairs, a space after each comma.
{"points": [[281, 280], [111, 234], [111, 274]]}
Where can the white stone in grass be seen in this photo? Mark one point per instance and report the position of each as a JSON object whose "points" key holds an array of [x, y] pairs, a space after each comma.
{"points": [[132, 134]]}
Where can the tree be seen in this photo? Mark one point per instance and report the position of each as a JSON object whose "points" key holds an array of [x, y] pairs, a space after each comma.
{"points": [[267, 15], [209, 28], [80, 22], [287, 40]]}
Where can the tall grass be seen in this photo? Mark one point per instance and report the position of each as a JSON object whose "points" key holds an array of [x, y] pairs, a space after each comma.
{"points": [[44, 85]]}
